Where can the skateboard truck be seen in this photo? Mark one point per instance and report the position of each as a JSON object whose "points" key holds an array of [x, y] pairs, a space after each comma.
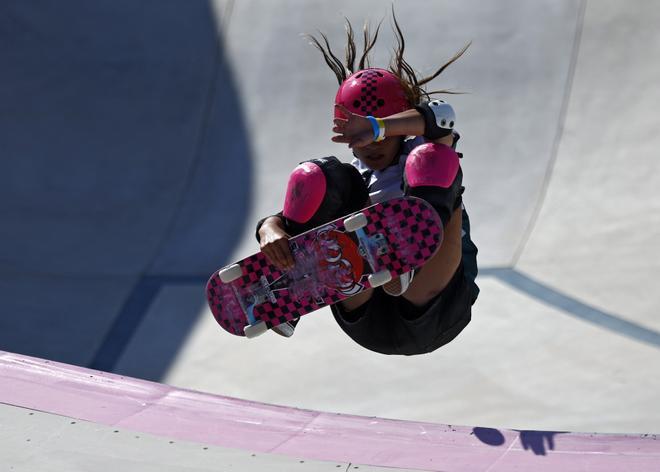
{"points": [[369, 247]]}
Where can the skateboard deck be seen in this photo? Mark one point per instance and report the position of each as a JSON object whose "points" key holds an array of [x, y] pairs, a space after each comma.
{"points": [[332, 262]]}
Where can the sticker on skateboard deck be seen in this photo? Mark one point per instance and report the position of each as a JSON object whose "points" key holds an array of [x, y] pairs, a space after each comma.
{"points": [[332, 262]]}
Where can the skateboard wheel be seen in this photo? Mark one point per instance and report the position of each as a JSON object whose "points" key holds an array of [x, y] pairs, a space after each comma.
{"points": [[380, 278], [231, 273], [252, 331], [355, 222]]}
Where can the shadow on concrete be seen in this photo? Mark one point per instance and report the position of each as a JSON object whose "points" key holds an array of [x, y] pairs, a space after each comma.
{"points": [[538, 442], [123, 158], [612, 322]]}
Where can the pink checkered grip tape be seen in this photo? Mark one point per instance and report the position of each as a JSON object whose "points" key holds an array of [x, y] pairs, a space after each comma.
{"points": [[413, 232]]}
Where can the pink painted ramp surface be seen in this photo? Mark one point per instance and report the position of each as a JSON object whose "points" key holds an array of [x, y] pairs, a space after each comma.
{"points": [[210, 419]]}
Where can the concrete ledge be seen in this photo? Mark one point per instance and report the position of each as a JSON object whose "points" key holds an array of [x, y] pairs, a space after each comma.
{"points": [[186, 415]]}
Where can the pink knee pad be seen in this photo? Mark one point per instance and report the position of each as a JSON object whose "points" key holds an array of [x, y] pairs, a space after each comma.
{"points": [[431, 164], [304, 192]]}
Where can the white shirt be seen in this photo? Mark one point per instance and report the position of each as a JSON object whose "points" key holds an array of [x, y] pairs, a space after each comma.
{"points": [[387, 183]]}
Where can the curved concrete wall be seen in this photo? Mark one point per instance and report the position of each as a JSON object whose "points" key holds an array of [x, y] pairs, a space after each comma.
{"points": [[118, 162], [140, 143]]}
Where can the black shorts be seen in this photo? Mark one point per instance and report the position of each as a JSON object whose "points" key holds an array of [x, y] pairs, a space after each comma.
{"points": [[393, 325]]}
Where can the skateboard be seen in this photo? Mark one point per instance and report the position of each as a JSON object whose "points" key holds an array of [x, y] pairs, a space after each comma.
{"points": [[333, 262]]}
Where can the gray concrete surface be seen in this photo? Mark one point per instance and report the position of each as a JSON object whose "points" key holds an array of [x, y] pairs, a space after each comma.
{"points": [[134, 164], [36, 441], [117, 158], [533, 73]]}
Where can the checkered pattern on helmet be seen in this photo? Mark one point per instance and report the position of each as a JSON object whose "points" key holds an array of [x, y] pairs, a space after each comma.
{"points": [[369, 101]]}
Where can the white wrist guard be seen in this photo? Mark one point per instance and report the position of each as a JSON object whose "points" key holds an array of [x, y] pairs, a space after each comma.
{"points": [[439, 118]]}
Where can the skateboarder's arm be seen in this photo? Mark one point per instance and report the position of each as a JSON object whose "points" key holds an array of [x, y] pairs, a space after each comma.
{"points": [[357, 130], [273, 218], [274, 241]]}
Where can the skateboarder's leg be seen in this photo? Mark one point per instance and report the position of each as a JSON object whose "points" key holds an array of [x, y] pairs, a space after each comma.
{"points": [[433, 173], [320, 190], [433, 277], [356, 301]]}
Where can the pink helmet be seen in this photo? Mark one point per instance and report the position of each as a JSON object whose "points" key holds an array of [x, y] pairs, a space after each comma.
{"points": [[375, 92]]}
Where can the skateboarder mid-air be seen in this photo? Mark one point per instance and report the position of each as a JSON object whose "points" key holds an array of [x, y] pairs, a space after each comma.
{"points": [[403, 143]]}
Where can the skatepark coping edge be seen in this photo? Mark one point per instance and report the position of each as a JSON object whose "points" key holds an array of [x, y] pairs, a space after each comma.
{"points": [[181, 414]]}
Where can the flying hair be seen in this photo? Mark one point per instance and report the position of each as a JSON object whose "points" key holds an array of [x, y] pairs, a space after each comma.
{"points": [[413, 84]]}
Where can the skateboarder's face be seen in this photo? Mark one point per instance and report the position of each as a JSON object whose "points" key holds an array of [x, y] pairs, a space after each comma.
{"points": [[378, 156]]}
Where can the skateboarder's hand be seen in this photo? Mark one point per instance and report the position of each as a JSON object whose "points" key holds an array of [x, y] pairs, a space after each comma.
{"points": [[274, 242], [356, 130]]}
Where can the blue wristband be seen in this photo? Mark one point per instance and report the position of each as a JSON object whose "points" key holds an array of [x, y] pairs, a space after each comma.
{"points": [[374, 126]]}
